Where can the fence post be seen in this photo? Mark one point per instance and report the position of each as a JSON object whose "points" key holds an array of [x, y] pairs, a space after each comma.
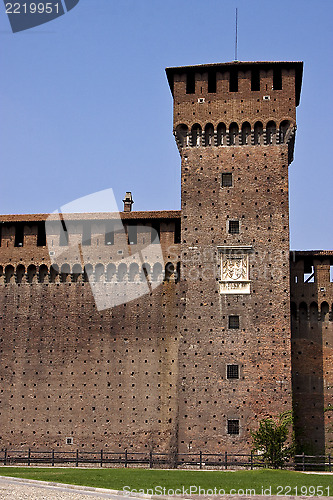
{"points": [[150, 459], [251, 460], [5, 457], [52, 458], [77, 457], [329, 462], [101, 458], [200, 459], [303, 462], [226, 460], [125, 458], [29, 453]]}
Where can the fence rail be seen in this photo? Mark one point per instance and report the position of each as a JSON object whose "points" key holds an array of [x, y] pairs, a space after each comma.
{"points": [[199, 460]]}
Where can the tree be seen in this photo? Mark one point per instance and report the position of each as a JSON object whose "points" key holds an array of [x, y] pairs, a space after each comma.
{"points": [[275, 439]]}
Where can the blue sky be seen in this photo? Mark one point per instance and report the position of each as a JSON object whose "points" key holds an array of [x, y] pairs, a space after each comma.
{"points": [[85, 103]]}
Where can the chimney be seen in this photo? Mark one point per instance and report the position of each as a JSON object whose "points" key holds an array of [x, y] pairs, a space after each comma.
{"points": [[128, 202]]}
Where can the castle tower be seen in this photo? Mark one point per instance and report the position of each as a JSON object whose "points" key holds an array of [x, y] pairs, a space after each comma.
{"points": [[234, 125]]}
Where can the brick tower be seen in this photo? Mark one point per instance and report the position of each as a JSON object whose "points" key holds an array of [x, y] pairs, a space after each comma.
{"points": [[234, 125]]}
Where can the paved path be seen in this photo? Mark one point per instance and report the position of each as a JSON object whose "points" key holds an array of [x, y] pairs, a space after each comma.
{"points": [[27, 489], [20, 489]]}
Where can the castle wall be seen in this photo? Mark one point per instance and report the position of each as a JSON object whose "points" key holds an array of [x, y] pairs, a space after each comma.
{"points": [[105, 377], [312, 349]]}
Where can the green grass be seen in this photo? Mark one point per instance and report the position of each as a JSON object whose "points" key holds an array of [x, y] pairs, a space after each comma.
{"points": [[145, 479]]}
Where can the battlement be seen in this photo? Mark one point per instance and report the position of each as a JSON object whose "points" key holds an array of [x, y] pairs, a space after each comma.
{"points": [[236, 104]]}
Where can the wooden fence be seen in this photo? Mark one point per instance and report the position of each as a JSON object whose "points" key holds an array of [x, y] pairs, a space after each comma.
{"points": [[127, 458]]}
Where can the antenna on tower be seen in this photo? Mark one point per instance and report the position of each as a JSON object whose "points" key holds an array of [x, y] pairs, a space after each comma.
{"points": [[236, 37]]}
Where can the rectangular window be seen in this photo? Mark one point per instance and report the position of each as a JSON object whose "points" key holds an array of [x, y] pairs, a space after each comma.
{"points": [[212, 82], [233, 227], [232, 371], [155, 233], [226, 180], [190, 82], [109, 234], [309, 274], [277, 79], [41, 234], [233, 322], [19, 235], [233, 426], [177, 231], [255, 79], [63, 240], [132, 235], [233, 82], [69, 440], [86, 234]]}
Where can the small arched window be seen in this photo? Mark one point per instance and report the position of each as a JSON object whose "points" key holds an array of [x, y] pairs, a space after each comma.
{"points": [[9, 273], [270, 132], [20, 272], [87, 272], [157, 272], [111, 272], [303, 311], [169, 271], [258, 133], [145, 272], [42, 273], [221, 134], [233, 134], [134, 272], [64, 273], [209, 135], [284, 126], [246, 134], [77, 273], [54, 272], [313, 311], [122, 272], [324, 311], [99, 272], [182, 135], [196, 134], [31, 273]]}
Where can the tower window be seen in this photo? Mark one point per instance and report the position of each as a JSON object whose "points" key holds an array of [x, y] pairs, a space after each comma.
{"points": [[233, 322], [41, 235], [63, 240], [190, 82], [212, 82], [233, 227], [232, 371], [233, 82], [155, 233], [132, 235], [233, 426], [226, 180], [255, 79], [19, 235], [177, 232], [277, 79], [109, 234], [86, 234]]}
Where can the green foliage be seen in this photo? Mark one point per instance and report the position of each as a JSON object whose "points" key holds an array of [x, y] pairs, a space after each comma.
{"points": [[274, 440]]}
